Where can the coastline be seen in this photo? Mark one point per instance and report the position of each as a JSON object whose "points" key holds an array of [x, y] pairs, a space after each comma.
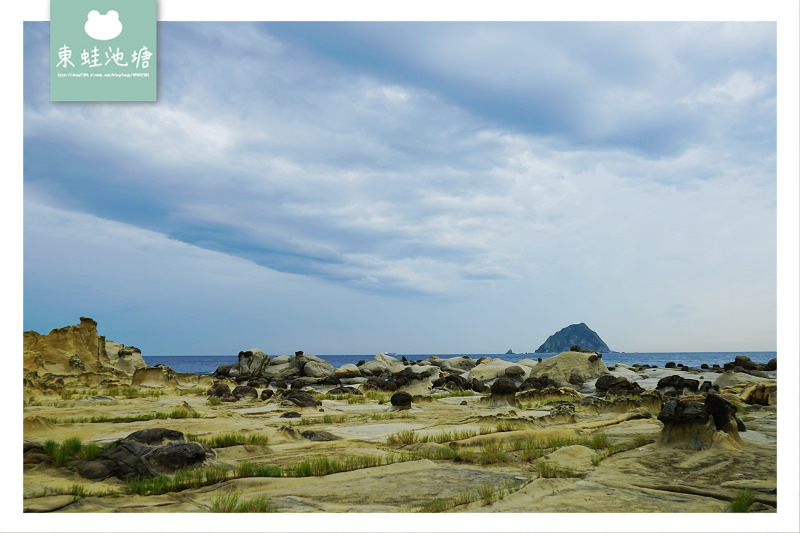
{"points": [[206, 364], [547, 442]]}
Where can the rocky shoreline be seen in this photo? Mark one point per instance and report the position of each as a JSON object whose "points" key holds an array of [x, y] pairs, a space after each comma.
{"points": [[561, 434]]}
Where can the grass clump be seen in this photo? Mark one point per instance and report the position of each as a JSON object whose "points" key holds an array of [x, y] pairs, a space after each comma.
{"points": [[390, 415], [62, 453], [229, 503], [492, 452], [181, 480], [231, 439], [546, 469], [143, 417], [744, 499], [405, 436]]}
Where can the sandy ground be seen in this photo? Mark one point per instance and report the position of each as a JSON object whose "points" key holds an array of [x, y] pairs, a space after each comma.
{"points": [[645, 479]]}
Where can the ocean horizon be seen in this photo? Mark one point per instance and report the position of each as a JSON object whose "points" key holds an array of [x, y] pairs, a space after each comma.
{"points": [[207, 364]]}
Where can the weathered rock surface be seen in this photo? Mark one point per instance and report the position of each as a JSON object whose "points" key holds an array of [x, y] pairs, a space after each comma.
{"points": [[251, 364], [158, 376], [491, 369], [381, 365], [77, 355], [765, 393], [699, 426], [562, 366]]}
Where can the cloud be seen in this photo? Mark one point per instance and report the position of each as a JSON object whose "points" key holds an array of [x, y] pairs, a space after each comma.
{"points": [[103, 27], [542, 162]]}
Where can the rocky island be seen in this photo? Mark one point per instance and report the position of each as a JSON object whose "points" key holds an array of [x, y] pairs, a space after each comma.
{"points": [[103, 432], [573, 335]]}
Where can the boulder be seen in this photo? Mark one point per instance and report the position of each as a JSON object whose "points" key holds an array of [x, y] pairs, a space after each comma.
{"points": [[479, 386], [743, 362], [678, 384], [380, 365], [618, 386], [723, 413], [147, 453], [222, 370], [301, 398], [158, 376], [155, 436], [491, 369], [458, 364], [313, 366], [538, 383], [604, 383], [771, 366], [319, 436], [452, 382], [379, 384], [347, 371], [251, 364], [562, 366], [401, 400], [765, 393], [728, 378], [514, 372], [345, 390], [219, 390], [266, 394], [244, 392]]}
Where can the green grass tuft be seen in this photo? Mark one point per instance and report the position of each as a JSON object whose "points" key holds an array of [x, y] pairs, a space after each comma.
{"points": [[744, 499]]}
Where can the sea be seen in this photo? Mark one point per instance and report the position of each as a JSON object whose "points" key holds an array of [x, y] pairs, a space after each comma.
{"points": [[207, 364]]}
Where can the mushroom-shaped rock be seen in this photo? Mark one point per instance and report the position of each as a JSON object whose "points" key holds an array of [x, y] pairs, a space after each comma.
{"points": [[401, 400], [503, 392], [699, 426]]}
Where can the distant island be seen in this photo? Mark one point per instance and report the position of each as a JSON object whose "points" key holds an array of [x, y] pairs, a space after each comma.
{"points": [[579, 334], [509, 352]]}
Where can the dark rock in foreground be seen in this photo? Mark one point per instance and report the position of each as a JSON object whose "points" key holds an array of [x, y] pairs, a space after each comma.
{"points": [[146, 453], [700, 426]]}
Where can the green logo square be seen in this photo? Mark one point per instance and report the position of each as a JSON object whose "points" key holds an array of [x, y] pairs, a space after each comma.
{"points": [[103, 50]]}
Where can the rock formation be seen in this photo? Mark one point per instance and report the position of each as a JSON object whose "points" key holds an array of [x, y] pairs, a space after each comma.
{"points": [[566, 366], [579, 334], [77, 355], [77, 349], [700, 426]]}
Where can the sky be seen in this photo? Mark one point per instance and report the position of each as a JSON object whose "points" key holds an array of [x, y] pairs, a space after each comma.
{"points": [[428, 187]]}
